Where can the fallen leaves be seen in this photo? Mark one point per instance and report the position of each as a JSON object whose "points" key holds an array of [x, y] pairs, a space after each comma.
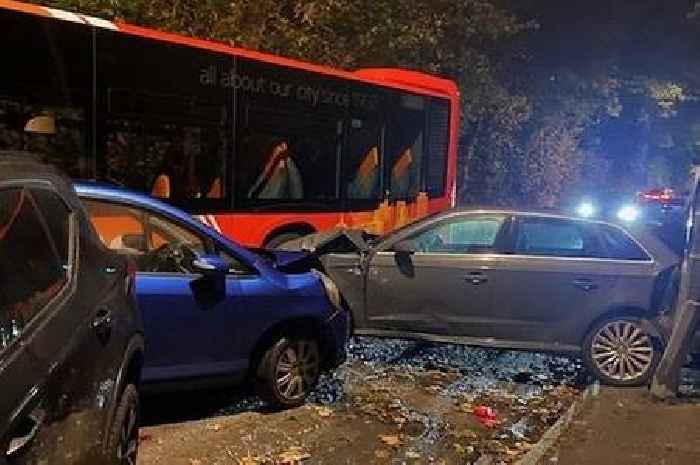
{"points": [[324, 411], [250, 460], [382, 454], [293, 456], [390, 440]]}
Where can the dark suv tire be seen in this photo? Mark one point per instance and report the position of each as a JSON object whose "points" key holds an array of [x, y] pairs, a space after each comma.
{"points": [[288, 371], [620, 352], [124, 436]]}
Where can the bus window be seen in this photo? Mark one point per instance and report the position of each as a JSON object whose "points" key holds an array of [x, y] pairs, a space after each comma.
{"points": [[281, 157], [436, 166], [362, 159], [56, 134], [46, 74], [404, 147], [177, 162]]}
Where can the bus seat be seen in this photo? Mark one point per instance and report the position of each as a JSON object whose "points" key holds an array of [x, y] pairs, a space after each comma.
{"points": [[110, 227], [283, 183], [215, 191], [365, 183], [296, 185], [401, 174], [161, 187]]}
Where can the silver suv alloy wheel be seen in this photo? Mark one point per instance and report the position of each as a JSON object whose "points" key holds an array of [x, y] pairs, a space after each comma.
{"points": [[622, 350]]}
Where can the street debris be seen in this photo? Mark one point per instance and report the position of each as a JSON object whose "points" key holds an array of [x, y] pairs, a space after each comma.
{"points": [[519, 429], [294, 456], [324, 412], [390, 440], [486, 416], [406, 402], [214, 427]]}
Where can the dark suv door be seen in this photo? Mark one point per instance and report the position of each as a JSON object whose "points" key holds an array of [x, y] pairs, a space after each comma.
{"points": [[69, 332]]}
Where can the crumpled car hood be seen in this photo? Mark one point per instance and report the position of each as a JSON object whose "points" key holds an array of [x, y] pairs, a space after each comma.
{"points": [[305, 253], [339, 240]]}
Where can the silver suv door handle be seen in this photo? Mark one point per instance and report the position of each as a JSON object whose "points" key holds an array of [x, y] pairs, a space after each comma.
{"points": [[476, 278], [585, 284]]}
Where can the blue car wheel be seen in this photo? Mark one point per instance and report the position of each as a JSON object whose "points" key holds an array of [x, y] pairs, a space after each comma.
{"points": [[289, 371]]}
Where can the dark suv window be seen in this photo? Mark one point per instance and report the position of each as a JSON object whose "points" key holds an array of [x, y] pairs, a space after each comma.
{"points": [[619, 245], [555, 237], [34, 256]]}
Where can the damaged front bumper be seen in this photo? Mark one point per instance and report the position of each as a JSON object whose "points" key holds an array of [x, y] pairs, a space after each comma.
{"points": [[334, 339]]}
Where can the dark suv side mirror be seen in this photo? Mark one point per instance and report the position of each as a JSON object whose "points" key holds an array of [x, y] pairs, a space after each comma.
{"points": [[210, 265], [406, 247]]}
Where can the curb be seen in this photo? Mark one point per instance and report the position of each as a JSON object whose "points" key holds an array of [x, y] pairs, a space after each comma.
{"points": [[548, 439]]}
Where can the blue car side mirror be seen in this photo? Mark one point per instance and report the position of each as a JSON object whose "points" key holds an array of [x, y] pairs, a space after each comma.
{"points": [[210, 264]]}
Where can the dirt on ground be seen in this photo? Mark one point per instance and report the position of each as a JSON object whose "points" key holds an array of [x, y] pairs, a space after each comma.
{"points": [[628, 427], [393, 402]]}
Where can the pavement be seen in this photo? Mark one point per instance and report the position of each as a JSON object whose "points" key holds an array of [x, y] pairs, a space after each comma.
{"points": [[626, 426], [393, 402]]}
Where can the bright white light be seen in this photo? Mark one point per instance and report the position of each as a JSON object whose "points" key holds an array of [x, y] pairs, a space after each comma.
{"points": [[628, 213], [586, 210]]}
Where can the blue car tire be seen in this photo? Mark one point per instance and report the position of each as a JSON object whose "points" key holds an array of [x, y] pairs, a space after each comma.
{"points": [[288, 371]]}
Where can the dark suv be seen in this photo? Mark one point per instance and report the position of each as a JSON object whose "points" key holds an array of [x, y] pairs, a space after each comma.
{"points": [[71, 342]]}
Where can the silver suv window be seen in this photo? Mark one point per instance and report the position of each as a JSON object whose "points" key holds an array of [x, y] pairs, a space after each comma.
{"points": [[555, 237], [619, 245], [464, 234]]}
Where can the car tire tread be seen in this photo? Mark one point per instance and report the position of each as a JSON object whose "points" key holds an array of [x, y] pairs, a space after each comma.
{"points": [[265, 383], [128, 400]]}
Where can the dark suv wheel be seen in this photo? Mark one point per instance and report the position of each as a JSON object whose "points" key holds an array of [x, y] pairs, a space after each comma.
{"points": [[288, 371], [124, 435], [620, 352]]}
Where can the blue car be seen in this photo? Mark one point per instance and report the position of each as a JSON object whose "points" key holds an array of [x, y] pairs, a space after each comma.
{"points": [[214, 311]]}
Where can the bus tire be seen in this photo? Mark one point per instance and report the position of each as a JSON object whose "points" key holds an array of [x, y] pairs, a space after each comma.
{"points": [[279, 239]]}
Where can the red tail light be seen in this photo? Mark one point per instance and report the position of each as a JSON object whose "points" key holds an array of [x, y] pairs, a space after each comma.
{"points": [[657, 195]]}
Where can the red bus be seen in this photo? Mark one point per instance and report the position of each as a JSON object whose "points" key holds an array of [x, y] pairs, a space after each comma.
{"points": [[262, 147]]}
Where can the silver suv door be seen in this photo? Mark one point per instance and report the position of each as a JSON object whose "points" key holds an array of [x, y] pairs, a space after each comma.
{"points": [[560, 277], [446, 286]]}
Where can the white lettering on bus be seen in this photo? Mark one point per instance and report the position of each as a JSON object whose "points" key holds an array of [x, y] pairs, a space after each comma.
{"points": [[210, 76]]}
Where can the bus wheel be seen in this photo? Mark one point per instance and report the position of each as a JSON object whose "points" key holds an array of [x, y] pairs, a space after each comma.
{"points": [[279, 239]]}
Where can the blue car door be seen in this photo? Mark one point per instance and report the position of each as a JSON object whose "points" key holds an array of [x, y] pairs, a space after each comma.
{"points": [[189, 319]]}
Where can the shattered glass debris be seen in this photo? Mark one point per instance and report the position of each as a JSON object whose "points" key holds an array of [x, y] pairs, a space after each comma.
{"points": [[519, 429], [423, 398], [690, 382], [9, 331]]}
